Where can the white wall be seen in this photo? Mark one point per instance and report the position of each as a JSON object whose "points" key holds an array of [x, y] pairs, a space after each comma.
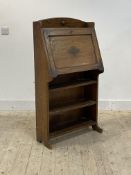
{"points": [[113, 26]]}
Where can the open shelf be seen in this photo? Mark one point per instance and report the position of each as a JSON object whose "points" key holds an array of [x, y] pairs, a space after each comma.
{"points": [[72, 127], [72, 106], [72, 84]]}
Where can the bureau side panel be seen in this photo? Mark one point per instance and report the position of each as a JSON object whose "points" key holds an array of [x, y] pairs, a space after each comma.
{"points": [[41, 86]]}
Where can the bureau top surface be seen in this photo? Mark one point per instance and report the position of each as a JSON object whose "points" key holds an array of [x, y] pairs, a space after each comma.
{"points": [[71, 50]]}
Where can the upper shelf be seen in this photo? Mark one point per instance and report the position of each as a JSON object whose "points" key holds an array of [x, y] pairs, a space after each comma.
{"points": [[72, 84]]}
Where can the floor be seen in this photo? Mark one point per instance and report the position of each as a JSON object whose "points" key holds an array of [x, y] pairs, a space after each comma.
{"points": [[85, 153]]}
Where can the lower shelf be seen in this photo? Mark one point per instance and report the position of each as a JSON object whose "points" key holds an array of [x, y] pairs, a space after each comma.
{"points": [[72, 106], [75, 126]]}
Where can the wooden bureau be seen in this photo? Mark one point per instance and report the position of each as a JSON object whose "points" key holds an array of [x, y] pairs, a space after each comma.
{"points": [[67, 66]]}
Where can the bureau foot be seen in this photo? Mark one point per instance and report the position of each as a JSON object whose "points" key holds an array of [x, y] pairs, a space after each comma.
{"points": [[39, 140], [97, 128], [46, 144]]}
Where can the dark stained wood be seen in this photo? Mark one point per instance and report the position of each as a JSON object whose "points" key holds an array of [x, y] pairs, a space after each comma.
{"points": [[67, 66]]}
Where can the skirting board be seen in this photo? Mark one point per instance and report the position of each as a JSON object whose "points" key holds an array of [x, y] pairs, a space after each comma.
{"points": [[116, 105], [17, 105], [30, 105]]}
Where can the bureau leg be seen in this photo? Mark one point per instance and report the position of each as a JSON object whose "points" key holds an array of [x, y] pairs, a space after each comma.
{"points": [[97, 128]]}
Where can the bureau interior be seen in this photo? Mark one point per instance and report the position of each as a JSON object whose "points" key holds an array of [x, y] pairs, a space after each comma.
{"points": [[73, 78]]}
